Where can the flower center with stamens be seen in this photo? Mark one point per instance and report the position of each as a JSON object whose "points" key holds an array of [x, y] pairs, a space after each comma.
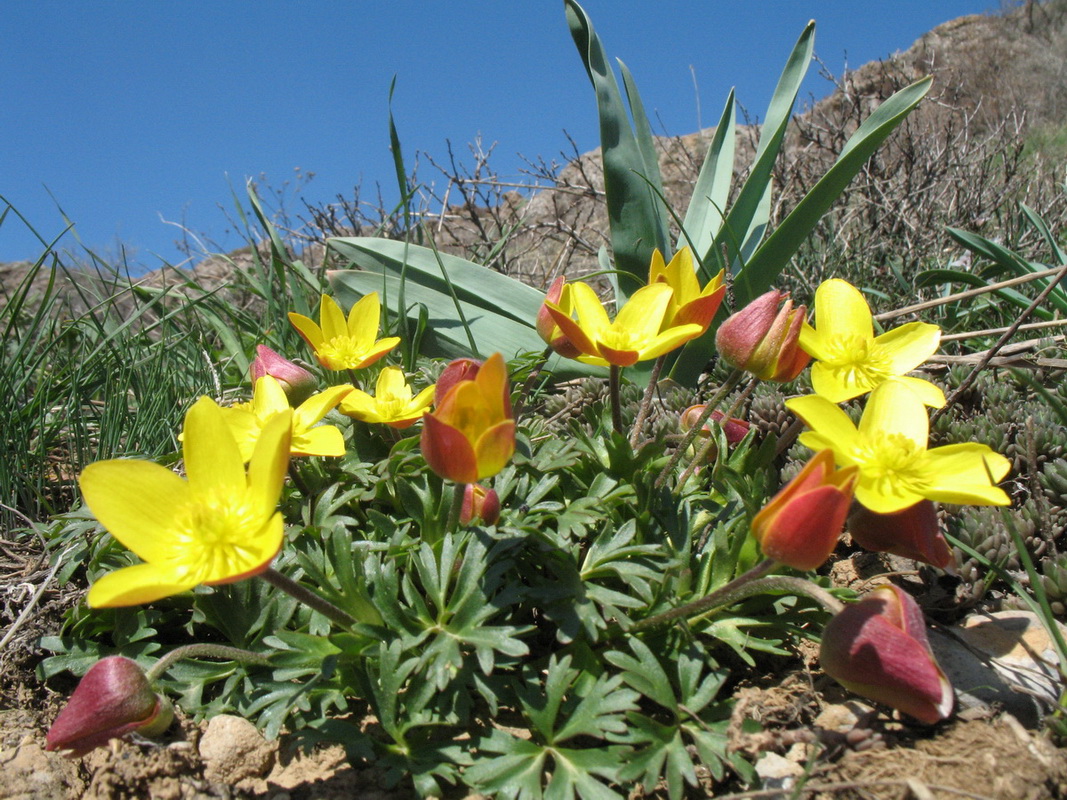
{"points": [[212, 537], [893, 465]]}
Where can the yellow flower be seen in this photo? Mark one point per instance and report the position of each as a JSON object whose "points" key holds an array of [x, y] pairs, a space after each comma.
{"points": [[890, 448], [341, 344], [392, 403], [218, 526], [690, 303], [851, 360], [246, 421], [641, 330]]}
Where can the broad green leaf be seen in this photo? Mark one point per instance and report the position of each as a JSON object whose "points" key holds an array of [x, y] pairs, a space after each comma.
{"points": [[707, 208], [638, 222], [769, 260]]}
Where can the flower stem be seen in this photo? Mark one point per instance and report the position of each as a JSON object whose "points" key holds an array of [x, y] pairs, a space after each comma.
{"points": [[204, 651], [646, 401], [728, 386], [458, 491], [745, 585], [531, 379], [307, 597], [614, 374]]}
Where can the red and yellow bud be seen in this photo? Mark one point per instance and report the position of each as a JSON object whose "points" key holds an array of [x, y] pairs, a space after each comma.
{"points": [[878, 648], [297, 383], [800, 526], [460, 369], [913, 533], [479, 505], [547, 328], [113, 699], [763, 338], [734, 428], [470, 435]]}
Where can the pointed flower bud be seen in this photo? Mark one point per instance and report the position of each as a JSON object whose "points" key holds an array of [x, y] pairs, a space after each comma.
{"points": [[461, 369], [479, 505], [734, 428], [470, 435], [297, 383], [763, 338], [913, 533], [878, 648], [547, 328], [113, 699], [800, 526]]}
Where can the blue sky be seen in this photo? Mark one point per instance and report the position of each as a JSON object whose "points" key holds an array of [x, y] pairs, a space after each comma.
{"points": [[124, 114]]}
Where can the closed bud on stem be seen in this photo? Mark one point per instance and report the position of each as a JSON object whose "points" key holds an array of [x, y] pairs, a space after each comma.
{"points": [[734, 428], [112, 700], [878, 648], [297, 383], [763, 338], [479, 505], [547, 328], [913, 533], [800, 526]]}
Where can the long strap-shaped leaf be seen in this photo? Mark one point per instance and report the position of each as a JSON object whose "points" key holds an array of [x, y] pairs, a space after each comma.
{"points": [[748, 213], [769, 260], [707, 208], [638, 221]]}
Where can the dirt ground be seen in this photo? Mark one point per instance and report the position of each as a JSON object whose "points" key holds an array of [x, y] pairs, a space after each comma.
{"points": [[813, 734]]}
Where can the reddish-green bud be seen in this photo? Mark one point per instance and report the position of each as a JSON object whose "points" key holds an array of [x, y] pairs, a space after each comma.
{"points": [[734, 428], [113, 699], [878, 648], [911, 533], [479, 505], [763, 338], [801, 524], [297, 383]]}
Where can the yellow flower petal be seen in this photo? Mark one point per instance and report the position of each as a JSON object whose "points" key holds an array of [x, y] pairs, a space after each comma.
{"points": [[392, 384], [212, 458], [592, 318], [332, 319], [135, 501], [308, 329], [841, 311], [364, 319], [642, 315], [318, 406], [893, 408], [269, 462], [965, 474], [325, 440], [928, 393], [908, 346], [141, 583], [828, 421], [268, 397]]}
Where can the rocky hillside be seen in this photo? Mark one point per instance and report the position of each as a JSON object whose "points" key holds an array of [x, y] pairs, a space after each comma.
{"points": [[998, 79]]}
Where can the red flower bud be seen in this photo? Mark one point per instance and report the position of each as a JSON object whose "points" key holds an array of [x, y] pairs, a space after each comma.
{"points": [[735, 429], [547, 328], [297, 383], [800, 526], [479, 505], [461, 369], [763, 339], [113, 699], [911, 533], [878, 648]]}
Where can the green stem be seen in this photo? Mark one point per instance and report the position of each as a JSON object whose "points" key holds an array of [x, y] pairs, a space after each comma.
{"points": [[307, 597], [204, 651], [646, 401], [527, 387], [458, 492], [745, 585], [728, 386], [614, 376], [298, 480]]}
